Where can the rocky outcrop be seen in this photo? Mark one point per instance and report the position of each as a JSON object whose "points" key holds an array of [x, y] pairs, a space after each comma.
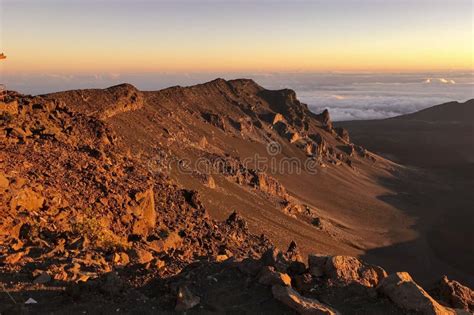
{"points": [[102, 104], [455, 295], [325, 119], [405, 293], [215, 120], [144, 213], [125, 98], [343, 134], [235, 171], [285, 103]]}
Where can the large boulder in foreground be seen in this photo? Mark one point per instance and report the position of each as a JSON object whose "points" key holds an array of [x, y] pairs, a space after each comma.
{"points": [[301, 304], [346, 270], [455, 295], [406, 294]]}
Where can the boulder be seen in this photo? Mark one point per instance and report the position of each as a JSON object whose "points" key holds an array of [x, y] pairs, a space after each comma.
{"points": [[406, 294], [300, 304], [140, 256], [4, 182], [293, 137], [144, 212], [28, 199], [296, 268], [317, 264], [268, 276], [274, 258], [185, 299], [348, 270], [342, 133], [172, 240], [250, 266], [455, 295], [278, 117], [303, 282], [43, 278]]}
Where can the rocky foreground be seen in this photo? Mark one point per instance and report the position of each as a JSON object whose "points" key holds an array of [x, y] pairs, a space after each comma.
{"points": [[85, 226]]}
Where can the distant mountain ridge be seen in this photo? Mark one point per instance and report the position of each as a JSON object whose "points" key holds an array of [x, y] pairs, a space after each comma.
{"points": [[447, 112]]}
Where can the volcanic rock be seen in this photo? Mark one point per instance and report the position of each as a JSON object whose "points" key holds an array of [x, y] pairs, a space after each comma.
{"points": [[144, 212], [346, 270], [268, 276], [28, 199], [185, 299], [9, 107], [342, 133], [140, 256], [301, 304], [455, 295], [408, 295]]}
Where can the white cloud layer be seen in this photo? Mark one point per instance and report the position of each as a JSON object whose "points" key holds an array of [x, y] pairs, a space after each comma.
{"points": [[348, 96]]}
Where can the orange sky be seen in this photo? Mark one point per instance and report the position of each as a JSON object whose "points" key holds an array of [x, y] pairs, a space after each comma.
{"points": [[91, 36]]}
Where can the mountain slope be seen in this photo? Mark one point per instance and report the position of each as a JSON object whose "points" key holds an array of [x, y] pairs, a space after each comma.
{"points": [[235, 123], [436, 136], [109, 200], [439, 143]]}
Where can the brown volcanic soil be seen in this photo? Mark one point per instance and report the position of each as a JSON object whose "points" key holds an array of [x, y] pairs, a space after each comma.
{"points": [[174, 122], [122, 199], [438, 144]]}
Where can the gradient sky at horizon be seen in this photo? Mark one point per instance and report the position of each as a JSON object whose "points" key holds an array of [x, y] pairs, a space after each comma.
{"points": [[72, 36]]}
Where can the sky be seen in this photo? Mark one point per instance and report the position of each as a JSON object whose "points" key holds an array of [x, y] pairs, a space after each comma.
{"points": [[362, 47], [325, 35]]}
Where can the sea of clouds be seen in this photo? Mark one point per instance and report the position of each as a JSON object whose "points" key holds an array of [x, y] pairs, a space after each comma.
{"points": [[375, 96], [348, 96]]}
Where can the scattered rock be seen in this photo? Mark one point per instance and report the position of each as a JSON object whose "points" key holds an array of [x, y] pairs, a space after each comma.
{"points": [[301, 304]]}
